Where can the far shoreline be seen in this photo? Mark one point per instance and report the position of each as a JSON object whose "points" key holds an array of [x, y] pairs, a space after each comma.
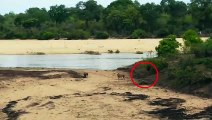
{"points": [[26, 47]]}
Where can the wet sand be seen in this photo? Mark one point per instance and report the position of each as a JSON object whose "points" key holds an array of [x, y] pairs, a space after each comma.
{"points": [[35, 94]]}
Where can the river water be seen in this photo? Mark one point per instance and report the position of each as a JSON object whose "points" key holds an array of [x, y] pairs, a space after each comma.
{"points": [[72, 61]]}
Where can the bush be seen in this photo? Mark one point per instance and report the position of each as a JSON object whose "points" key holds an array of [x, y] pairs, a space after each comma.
{"points": [[139, 52], [92, 53], [137, 34], [10, 35], [191, 37], [199, 50], [162, 33], [117, 51], [188, 77], [161, 64], [202, 49], [168, 46], [1, 35], [37, 53], [101, 35], [46, 35], [78, 34], [147, 70], [209, 47], [22, 35], [110, 51]]}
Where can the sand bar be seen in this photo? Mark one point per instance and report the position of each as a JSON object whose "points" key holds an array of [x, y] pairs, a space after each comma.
{"points": [[76, 46]]}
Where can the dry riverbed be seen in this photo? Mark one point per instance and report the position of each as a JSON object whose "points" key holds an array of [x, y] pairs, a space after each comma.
{"points": [[42, 94]]}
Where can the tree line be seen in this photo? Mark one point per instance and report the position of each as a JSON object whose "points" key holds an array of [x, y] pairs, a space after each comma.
{"points": [[120, 19]]}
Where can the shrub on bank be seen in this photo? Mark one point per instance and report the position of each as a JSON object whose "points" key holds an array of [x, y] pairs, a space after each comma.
{"points": [[168, 46], [117, 51], [78, 34], [101, 35], [92, 53], [110, 51], [46, 35], [137, 34], [139, 52], [37, 53], [191, 37], [188, 73], [202, 49], [160, 62]]}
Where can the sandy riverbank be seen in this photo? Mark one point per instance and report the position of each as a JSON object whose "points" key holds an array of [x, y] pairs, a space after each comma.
{"points": [[35, 94], [76, 46]]}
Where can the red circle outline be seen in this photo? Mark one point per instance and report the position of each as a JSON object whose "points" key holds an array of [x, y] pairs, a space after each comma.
{"points": [[156, 77]]}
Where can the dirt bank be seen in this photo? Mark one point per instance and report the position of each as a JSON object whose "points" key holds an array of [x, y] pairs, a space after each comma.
{"points": [[63, 94]]}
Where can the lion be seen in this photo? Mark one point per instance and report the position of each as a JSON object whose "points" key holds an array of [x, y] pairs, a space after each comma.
{"points": [[120, 76]]}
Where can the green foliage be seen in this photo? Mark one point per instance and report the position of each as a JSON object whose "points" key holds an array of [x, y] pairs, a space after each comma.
{"points": [[196, 72], [78, 34], [137, 34], [146, 70], [122, 19], [58, 13], [29, 23], [161, 63], [162, 32], [168, 46], [102, 35], [46, 35], [208, 45], [191, 37], [202, 49]]}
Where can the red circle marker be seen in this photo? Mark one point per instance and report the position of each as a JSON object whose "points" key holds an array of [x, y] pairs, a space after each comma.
{"points": [[148, 63]]}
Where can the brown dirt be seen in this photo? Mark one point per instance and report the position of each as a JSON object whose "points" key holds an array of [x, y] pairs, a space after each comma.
{"points": [[64, 94]]}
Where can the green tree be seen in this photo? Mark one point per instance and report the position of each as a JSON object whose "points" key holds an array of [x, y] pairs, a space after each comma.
{"points": [[40, 14], [122, 17], [138, 34], [201, 10], [58, 13], [150, 12], [29, 23], [92, 11]]}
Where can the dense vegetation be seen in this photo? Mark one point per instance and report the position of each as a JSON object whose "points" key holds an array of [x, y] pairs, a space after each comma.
{"points": [[188, 70], [122, 18]]}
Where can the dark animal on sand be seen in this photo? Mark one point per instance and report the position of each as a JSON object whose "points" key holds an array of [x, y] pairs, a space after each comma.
{"points": [[85, 75], [120, 76]]}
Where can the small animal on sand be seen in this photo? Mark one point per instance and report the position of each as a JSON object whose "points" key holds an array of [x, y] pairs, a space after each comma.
{"points": [[85, 75], [121, 76]]}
